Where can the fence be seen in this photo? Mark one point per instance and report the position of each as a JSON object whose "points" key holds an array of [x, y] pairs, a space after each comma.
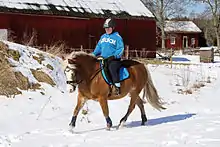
{"points": [[134, 53], [128, 53]]}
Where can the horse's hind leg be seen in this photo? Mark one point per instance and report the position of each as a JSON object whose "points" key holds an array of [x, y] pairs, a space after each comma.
{"points": [[80, 103], [140, 104], [130, 108]]}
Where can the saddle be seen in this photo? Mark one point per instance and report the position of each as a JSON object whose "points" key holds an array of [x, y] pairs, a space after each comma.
{"points": [[123, 73]]}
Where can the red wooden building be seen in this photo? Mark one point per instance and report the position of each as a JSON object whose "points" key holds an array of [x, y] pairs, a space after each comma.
{"points": [[79, 23], [181, 34]]}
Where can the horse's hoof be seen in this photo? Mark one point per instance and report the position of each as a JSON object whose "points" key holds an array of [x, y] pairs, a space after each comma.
{"points": [[144, 119], [143, 123], [108, 128], [72, 125], [71, 128], [109, 125], [121, 125]]}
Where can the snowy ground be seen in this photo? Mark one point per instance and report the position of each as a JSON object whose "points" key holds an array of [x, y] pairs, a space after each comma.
{"points": [[191, 120]]}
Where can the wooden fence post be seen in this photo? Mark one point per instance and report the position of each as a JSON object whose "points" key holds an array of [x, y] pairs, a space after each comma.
{"points": [[171, 59], [143, 53], [126, 51], [81, 48]]}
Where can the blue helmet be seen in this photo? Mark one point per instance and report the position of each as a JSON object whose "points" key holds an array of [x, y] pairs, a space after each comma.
{"points": [[109, 23]]}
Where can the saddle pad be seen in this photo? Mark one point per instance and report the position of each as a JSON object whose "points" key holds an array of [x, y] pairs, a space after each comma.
{"points": [[123, 75]]}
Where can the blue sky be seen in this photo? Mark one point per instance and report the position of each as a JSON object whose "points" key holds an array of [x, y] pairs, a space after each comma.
{"points": [[198, 8]]}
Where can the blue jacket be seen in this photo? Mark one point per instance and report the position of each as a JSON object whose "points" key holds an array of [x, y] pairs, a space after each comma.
{"points": [[110, 45]]}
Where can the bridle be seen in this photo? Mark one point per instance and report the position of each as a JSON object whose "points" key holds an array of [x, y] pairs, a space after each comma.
{"points": [[74, 83], [70, 82]]}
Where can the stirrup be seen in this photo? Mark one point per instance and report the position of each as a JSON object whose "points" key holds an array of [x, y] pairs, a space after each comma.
{"points": [[117, 90]]}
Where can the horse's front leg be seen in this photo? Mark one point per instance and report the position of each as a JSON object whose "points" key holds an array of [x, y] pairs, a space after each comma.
{"points": [[104, 105], [80, 103]]}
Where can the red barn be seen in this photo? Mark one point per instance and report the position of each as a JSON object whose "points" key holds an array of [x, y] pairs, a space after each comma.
{"points": [[181, 34], [79, 23]]}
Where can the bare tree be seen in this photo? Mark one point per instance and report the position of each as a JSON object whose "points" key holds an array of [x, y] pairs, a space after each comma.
{"points": [[213, 6], [163, 9], [205, 24]]}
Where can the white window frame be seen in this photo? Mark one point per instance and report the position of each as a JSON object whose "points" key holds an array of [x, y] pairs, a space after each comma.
{"points": [[185, 37], [193, 41], [3, 34], [172, 40]]}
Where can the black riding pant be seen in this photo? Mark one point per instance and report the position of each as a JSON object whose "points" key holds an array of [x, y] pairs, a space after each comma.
{"points": [[114, 67]]}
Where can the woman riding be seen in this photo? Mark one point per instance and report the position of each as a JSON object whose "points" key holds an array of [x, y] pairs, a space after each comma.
{"points": [[111, 47]]}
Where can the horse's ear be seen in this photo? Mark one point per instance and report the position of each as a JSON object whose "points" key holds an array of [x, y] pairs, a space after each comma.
{"points": [[71, 61], [63, 56]]}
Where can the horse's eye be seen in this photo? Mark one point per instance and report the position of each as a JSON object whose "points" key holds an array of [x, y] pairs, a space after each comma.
{"points": [[67, 70], [70, 61]]}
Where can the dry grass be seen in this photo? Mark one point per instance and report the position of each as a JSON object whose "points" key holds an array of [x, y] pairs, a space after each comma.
{"points": [[8, 83], [209, 80], [158, 62], [11, 81], [198, 85], [42, 77], [57, 49], [29, 38], [14, 54], [39, 58], [49, 66], [187, 91], [24, 83]]}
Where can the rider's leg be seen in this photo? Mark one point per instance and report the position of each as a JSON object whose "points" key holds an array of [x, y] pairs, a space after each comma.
{"points": [[114, 70]]}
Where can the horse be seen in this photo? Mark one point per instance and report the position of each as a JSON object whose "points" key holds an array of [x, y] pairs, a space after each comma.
{"points": [[84, 70]]}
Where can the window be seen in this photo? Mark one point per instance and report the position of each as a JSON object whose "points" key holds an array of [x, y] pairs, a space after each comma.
{"points": [[172, 40], [193, 41], [3, 34]]}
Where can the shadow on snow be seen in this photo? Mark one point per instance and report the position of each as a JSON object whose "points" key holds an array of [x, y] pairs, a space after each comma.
{"points": [[151, 122], [179, 59], [162, 120]]}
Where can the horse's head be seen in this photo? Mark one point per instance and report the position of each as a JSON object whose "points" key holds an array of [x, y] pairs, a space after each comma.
{"points": [[78, 66], [71, 75]]}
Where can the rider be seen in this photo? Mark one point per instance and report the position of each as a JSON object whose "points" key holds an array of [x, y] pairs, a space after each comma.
{"points": [[111, 48]]}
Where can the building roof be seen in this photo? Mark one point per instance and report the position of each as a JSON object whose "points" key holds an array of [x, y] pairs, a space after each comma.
{"points": [[181, 26], [126, 8]]}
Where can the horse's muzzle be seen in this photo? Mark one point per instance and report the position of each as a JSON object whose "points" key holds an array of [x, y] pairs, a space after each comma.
{"points": [[73, 86]]}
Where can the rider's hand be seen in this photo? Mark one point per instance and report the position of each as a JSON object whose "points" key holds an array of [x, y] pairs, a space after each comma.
{"points": [[100, 58]]}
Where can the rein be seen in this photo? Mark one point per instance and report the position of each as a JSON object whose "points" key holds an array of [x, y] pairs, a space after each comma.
{"points": [[93, 76]]}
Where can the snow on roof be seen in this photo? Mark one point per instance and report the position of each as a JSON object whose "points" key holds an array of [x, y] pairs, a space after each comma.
{"points": [[181, 26], [133, 8]]}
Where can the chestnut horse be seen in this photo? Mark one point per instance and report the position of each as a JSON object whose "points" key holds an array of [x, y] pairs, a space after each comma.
{"points": [[83, 69]]}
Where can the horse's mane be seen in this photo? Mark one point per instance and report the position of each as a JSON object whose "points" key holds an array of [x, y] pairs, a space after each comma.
{"points": [[81, 54], [84, 62]]}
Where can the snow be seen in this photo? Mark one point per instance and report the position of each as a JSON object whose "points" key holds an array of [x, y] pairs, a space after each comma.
{"points": [[206, 48], [181, 26], [215, 48], [134, 7], [191, 120], [27, 62]]}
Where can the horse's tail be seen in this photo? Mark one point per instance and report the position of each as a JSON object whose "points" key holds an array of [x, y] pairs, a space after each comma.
{"points": [[151, 94]]}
